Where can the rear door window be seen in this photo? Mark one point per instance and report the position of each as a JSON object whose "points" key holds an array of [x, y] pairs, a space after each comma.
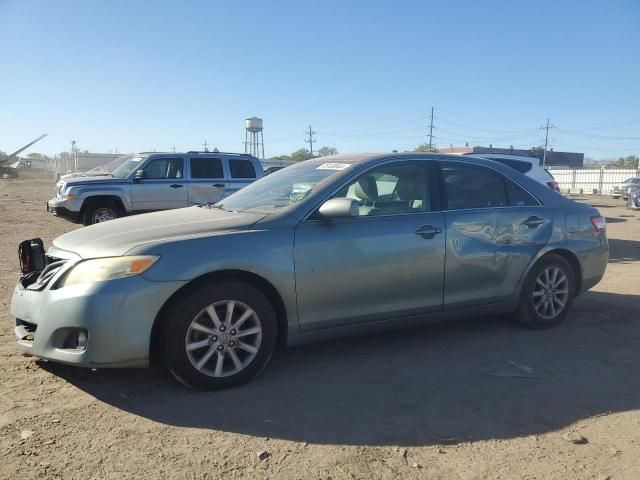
{"points": [[469, 186], [242, 168], [518, 196], [206, 168]]}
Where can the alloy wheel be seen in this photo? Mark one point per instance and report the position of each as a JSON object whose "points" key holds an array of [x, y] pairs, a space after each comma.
{"points": [[550, 292], [223, 338]]}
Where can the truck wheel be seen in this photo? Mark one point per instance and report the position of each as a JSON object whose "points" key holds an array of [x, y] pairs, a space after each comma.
{"points": [[547, 293], [101, 212], [219, 335]]}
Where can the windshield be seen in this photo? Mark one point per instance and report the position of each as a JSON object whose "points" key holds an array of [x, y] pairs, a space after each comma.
{"points": [[127, 167], [281, 189]]}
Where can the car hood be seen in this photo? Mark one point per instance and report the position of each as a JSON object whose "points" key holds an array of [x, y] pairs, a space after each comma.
{"points": [[85, 175], [77, 181], [117, 237]]}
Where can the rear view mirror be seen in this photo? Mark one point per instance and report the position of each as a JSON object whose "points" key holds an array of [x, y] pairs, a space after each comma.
{"points": [[339, 208], [139, 175]]}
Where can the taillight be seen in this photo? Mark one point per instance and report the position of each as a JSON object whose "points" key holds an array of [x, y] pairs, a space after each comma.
{"points": [[554, 186], [599, 223]]}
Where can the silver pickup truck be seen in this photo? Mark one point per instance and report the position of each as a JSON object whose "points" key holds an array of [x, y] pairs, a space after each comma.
{"points": [[149, 182]]}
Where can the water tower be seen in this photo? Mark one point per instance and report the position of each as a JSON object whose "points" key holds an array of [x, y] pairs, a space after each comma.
{"points": [[253, 138]]}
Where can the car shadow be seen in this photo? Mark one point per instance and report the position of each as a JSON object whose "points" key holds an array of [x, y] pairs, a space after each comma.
{"points": [[464, 381], [623, 251]]}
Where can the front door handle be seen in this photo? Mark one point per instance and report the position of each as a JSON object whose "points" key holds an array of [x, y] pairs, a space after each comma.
{"points": [[428, 231], [175, 185], [218, 185], [533, 222]]}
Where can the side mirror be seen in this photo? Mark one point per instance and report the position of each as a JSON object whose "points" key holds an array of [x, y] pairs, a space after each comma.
{"points": [[139, 175], [339, 208]]}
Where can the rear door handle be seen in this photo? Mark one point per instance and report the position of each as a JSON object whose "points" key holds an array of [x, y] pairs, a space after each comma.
{"points": [[218, 185], [428, 231], [533, 222], [175, 185]]}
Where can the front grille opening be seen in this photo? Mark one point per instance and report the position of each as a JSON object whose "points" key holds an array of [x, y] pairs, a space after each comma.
{"points": [[27, 330], [37, 281]]}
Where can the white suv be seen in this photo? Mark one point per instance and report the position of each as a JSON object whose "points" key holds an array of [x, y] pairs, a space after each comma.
{"points": [[530, 166]]}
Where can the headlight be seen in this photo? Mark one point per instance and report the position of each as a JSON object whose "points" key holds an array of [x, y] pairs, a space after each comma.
{"points": [[111, 268]]}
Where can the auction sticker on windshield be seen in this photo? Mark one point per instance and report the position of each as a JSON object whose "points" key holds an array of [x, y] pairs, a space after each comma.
{"points": [[333, 166]]}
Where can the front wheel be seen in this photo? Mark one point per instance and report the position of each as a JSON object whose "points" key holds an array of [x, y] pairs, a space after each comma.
{"points": [[547, 293], [219, 335], [99, 212]]}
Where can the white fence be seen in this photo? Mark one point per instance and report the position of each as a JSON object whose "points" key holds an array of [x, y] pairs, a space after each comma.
{"points": [[591, 180]]}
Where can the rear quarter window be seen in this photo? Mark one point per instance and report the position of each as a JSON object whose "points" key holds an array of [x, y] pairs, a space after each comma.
{"points": [[242, 168]]}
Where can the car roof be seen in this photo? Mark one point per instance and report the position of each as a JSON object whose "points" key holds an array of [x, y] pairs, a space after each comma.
{"points": [[363, 158], [193, 152]]}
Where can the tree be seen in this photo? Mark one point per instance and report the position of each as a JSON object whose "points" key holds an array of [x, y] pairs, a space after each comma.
{"points": [[538, 151], [300, 155], [630, 161], [424, 147], [326, 151]]}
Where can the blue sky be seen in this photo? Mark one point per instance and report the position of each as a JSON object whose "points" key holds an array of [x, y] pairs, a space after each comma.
{"points": [[137, 75]]}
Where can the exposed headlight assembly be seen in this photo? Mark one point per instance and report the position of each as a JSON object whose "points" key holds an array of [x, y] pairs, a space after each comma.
{"points": [[109, 268]]}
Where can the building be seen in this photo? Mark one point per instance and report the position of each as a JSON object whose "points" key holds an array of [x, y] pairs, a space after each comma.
{"points": [[565, 159]]}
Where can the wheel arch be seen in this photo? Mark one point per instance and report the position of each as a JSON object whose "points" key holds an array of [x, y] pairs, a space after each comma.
{"points": [[102, 198], [251, 278], [571, 259]]}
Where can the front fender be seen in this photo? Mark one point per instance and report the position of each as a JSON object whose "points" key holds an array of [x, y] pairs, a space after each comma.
{"points": [[85, 192], [267, 253]]}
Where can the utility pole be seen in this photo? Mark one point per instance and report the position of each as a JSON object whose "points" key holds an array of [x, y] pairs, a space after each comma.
{"points": [[546, 142], [205, 146], [310, 140], [74, 157], [431, 132], [173, 148]]}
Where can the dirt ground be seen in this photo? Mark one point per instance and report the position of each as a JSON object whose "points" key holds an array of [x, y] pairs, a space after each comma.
{"points": [[423, 403]]}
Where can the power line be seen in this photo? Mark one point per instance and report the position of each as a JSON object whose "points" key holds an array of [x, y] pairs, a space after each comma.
{"points": [[392, 125], [310, 140], [483, 129], [595, 135]]}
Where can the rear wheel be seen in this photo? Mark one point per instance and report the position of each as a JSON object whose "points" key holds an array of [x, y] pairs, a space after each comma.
{"points": [[101, 211], [547, 293], [219, 335]]}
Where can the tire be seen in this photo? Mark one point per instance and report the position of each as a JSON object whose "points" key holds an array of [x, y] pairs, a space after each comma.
{"points": [[537, 312], [101, 211], [210, 363]]}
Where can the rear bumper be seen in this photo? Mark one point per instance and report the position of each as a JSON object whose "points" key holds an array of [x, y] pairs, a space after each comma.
{"points": [[593, 263]]}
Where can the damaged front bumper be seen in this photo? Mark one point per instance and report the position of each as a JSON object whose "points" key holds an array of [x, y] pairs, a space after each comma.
{"points": [[98, 324]]}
